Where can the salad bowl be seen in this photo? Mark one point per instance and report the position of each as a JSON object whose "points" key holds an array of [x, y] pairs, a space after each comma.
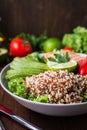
{"points": [[44, 108]]}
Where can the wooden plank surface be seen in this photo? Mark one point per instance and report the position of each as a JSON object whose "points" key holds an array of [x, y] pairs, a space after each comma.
{"points": [[55, 17]]}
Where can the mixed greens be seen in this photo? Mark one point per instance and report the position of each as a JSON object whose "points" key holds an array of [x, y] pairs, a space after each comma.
{"points": [[32, 64], [18, 87]]}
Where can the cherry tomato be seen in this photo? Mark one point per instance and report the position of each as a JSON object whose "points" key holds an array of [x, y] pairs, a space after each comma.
{"points": [[67, 48], [82, 63], [83, 70], [20, 47]]}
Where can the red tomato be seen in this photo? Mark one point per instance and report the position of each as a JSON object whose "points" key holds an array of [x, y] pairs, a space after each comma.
{"points": [[82, 63], [83, 70], [67, 48], [20, 47]]}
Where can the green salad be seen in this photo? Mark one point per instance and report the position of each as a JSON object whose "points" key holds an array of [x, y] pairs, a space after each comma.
{"points": [[32, 64]]}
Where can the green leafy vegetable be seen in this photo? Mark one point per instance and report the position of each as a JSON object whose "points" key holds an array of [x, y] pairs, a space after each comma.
{"points": [[37, 42], [18, 87], [76, 40], [32, 97], [85, 98], [43, 98], [60, 58]]}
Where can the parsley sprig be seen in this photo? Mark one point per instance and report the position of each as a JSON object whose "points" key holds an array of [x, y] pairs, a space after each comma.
{"points": [[60, 58]]}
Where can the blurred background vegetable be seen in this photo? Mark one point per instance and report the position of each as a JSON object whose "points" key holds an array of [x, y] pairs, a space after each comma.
{"points": [[76, 40], [36, 42], [20, 47], [52, 43], [41, 43]]}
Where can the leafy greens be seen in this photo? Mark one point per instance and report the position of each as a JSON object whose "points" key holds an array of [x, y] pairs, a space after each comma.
{"points": [[76, 40]]}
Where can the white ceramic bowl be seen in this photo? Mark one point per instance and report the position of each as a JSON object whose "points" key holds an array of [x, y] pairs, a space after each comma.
{"points": [[45, 108]]}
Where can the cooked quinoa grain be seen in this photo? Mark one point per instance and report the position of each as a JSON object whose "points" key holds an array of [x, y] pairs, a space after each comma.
{"points": [[60, 86]]}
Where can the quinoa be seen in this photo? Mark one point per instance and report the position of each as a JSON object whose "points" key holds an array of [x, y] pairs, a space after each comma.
{"points": [[61, 87]]}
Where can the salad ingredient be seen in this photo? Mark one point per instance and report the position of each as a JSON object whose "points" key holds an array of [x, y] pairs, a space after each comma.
{"points": [[25, 66], [74, 56], [61, 87], [51, 43], [70, 66], [76, 40], [20, 47], [82, 62], [59, 58], [85, 98], [83, 70], [36, 63], [67, 48], [3, 55], [42, 98], [18, 87]]}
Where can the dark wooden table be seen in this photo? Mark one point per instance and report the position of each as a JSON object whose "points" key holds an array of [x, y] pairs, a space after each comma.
{"points": [[43, 121]]}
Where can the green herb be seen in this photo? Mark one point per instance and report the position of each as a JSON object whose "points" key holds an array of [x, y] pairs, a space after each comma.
{"points": [[60, 58]]}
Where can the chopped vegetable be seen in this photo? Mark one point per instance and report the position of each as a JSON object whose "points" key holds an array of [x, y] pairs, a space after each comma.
{"points": [[42, 98], [18, 87], [85, 98], [60, 58]]}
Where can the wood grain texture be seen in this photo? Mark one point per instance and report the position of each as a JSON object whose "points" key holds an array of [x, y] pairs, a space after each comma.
{"points": [[55, 17]]}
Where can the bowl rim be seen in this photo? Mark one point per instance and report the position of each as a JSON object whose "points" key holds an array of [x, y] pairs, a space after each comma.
{"points": [[33, 102]]}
